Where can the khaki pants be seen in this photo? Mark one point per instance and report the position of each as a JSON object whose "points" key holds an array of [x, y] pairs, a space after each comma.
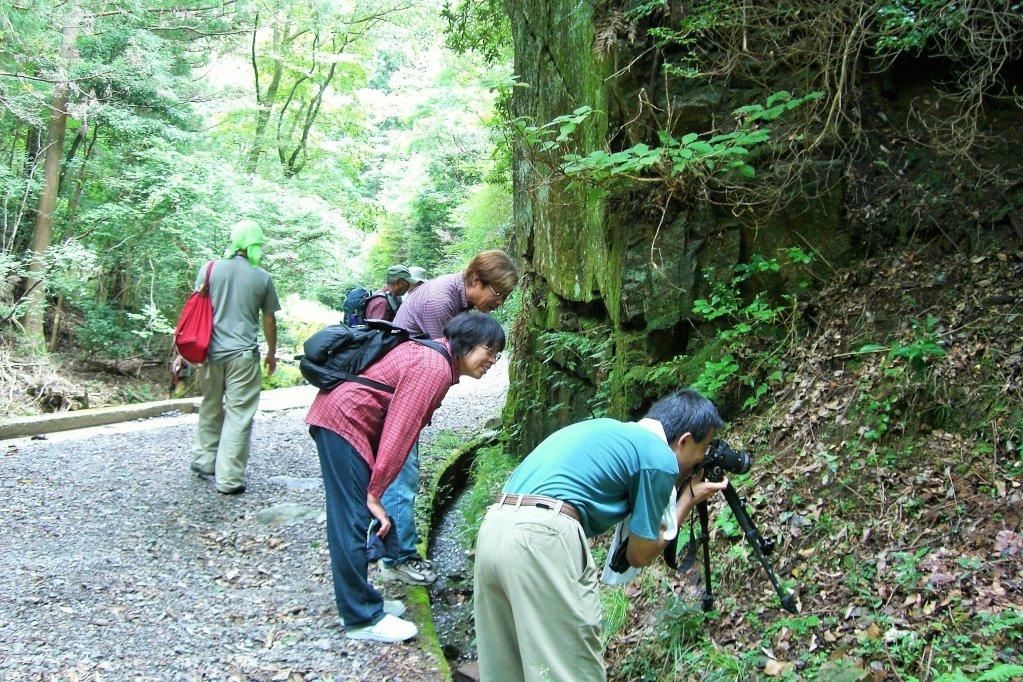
{"points": [[230, 396], [536, 604]]}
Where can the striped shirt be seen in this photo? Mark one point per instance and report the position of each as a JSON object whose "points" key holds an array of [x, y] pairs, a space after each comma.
{"points": [[382, 426], [432, 305]]}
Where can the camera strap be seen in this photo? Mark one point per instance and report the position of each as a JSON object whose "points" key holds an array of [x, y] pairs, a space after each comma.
{"points": [[690, 556]]}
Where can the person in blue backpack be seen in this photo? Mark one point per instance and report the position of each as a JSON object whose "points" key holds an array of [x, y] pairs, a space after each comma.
{"points": [[384, 304]]}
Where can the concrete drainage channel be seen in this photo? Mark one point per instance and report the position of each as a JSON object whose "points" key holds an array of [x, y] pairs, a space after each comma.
{"points": [[450, 598]]}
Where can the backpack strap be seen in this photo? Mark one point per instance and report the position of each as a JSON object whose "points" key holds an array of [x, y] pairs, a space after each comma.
{"points": [[345, 376], [393, 302], [430, 343], [206, 280]]}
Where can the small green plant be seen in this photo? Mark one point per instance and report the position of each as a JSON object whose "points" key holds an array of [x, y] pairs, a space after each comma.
{"points": [[586, 353], [748, 320], [676, 161], [615, 608]]}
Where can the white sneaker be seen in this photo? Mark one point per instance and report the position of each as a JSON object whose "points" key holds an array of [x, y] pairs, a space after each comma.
{"points": [[389, 629], [391, 606]]}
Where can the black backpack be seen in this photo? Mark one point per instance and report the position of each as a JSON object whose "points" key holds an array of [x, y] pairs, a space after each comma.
{"points": [[340, 353]]}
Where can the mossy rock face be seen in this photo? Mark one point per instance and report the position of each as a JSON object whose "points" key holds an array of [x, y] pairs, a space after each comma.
{"points": [[624, 266]]}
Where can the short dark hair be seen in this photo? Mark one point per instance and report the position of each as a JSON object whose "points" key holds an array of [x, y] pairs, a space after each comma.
{"points": [[686, 411], [465, 331]]}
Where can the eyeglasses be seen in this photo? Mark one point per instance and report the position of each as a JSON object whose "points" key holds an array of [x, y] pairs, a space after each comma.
{"points": [[499, 296], [496, 356]]}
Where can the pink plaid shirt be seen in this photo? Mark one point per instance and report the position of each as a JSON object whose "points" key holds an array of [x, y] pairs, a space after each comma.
{"points": [[383, 426]]}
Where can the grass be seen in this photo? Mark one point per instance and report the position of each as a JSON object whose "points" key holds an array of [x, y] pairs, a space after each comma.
{"points": [[490, 471], [615, 608]]}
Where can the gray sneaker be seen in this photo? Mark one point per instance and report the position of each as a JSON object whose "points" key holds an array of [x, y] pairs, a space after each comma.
{"points": [[199, 471], [411, 572]]}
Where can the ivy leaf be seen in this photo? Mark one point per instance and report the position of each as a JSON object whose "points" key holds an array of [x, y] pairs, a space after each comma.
{"points": [[871, 348]]}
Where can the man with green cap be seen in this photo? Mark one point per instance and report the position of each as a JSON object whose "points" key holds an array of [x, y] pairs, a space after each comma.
{"points": [[383, 305], [241, 292]]}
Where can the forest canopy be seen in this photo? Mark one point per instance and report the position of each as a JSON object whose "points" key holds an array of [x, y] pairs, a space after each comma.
{"points": [[133, 134]]}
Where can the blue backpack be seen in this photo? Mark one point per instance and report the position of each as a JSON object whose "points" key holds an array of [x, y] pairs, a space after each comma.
{"points": [[354, 306]]}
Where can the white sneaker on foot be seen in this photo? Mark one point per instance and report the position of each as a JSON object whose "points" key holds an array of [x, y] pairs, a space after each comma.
{"points": [[393, 607], [389, 629]]}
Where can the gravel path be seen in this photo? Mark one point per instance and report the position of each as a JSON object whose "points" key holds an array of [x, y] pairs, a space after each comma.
{"points": [[117, 563]]}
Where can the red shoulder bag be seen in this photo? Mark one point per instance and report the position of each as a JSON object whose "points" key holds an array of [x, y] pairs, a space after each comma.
{"points": [[195, 324]]}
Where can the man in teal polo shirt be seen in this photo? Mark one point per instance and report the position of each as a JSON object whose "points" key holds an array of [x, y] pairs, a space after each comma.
{"points": [[536, 604]]}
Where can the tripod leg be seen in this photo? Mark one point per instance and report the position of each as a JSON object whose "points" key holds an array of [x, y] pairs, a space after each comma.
{"points": [[756, 541], [708, 596]]}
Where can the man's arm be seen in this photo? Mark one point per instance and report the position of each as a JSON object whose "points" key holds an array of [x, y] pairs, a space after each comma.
{"points": [[641, 551], [270, 331]]}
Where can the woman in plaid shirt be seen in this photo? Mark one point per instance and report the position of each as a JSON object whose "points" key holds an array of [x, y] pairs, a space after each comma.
{"points": [[363, 436]]}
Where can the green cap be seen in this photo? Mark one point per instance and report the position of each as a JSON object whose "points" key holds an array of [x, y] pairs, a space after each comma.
{"points": [[398, 272], [247, 236]]}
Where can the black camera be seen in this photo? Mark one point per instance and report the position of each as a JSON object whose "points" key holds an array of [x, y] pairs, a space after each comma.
{"points": [[721, 457]]}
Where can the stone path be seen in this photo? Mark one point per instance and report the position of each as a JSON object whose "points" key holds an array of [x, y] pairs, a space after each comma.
{"points": [[117, 563]]}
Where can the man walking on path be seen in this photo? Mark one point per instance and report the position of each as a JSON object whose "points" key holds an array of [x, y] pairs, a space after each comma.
{"points": [[535, 597], [230, 378], [384, 304], [484, 285]]}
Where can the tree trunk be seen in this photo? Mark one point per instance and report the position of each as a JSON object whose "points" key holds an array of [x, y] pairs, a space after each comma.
{"points": [[55, 329], [266, 100], [35, 282]]}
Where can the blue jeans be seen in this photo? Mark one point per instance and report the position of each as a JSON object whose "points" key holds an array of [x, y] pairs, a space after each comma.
{"points": [[345, 481], [399, 501]]}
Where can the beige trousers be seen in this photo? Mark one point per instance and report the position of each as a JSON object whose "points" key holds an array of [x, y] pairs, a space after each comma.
{"points": [[230, 396], [536, 604]]}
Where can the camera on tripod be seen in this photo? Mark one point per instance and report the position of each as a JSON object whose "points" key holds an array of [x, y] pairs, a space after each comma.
{"points": [[721, 457]]}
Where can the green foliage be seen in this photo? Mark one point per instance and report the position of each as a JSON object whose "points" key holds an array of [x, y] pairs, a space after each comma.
{"points": [[478, 25], [683, 39], [359, 124], [108, 331], [676, 160], [677, 640], [483, 221], [904, 376], [286, 376], [745, 322], [908, 25], [614, 607], [586, 353], [490, 470]]}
